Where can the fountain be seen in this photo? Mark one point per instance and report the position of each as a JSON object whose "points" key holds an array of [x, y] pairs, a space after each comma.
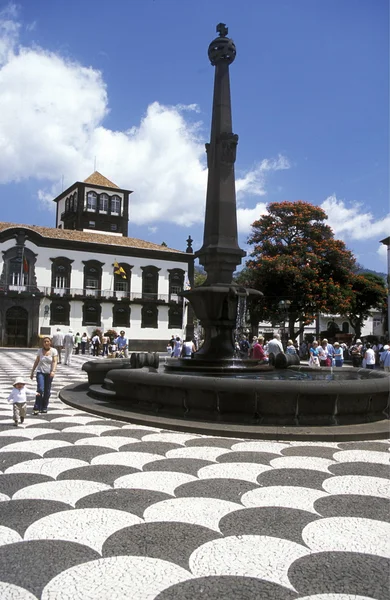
{"points": [[214, 392]]}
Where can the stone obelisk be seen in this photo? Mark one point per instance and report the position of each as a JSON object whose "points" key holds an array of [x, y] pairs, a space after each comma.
{"points": [[215, 302], [220, 253]]}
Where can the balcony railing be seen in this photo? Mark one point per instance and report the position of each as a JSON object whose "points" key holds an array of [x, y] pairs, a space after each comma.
{"points": [[69, 293]]}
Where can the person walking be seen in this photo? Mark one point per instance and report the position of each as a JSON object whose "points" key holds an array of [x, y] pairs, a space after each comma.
{"points": [[68, 346], [105, 340], [338, 355], [45, 364], [291, 348], [77, 341], [18, 398], [369, 357], [58, 342], [356, 354], [84, 342], [188, 348], [95, 341], [385, 358], [122, 344]]}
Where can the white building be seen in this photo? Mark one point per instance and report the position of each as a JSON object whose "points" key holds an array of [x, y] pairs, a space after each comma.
{"points": [[65, 276]]}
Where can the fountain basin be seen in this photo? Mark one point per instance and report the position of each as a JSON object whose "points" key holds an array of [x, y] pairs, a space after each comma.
{"points": [[334, 399]]}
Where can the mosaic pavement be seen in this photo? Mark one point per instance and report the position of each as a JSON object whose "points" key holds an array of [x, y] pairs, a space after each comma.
{"points": [[92, 508]]}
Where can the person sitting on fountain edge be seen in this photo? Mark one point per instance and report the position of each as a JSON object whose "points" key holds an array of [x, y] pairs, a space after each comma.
{"points": [[275, 345], [258, 352]]}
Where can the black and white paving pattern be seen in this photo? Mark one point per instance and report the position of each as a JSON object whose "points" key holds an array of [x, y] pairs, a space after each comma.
{"points": [[92, 508]]}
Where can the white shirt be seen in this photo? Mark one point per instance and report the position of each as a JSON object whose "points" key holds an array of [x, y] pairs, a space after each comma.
{"points": [[370, 356], [274, 346], [58, 339], [46, 362], [20, 396]]}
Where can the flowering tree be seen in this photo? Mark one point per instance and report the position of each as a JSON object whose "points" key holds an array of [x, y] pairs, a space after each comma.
{"points": [[298, 265], [368, 291]]}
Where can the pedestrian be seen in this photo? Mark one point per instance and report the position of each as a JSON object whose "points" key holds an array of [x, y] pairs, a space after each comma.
{"points": [[68, 346], [84, 342], [122, 344], [171, 343], [105, 340], [188, 348], [325, 359], [338, 355], [385, 358], [77, 341], [369, 357], [244, 347], [58, 342], [45, 364], [177, 348], [18, 397], [356, 354], [314, 360], [291, 348], [275, 345], [95, 342], [258, 352]]}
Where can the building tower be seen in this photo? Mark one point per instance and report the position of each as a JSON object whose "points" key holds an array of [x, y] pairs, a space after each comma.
{"points": [[96, 204]]}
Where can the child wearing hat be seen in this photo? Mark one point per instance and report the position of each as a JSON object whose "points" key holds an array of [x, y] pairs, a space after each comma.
{"points": [[18, 397]]}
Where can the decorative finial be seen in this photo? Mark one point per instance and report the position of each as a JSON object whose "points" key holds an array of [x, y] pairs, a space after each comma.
{"points": [[189, 249], [222, 29]]}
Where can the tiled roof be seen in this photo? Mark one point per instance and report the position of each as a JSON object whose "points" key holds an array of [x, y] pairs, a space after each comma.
{"points": [[90, 237], [98, 179]]}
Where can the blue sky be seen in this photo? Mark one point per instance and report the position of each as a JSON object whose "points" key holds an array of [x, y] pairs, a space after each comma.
{"points": [[129, 82]]}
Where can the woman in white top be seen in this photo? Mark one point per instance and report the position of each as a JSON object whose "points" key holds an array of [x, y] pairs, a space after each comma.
{"points": [[188, 348], [369, 356], [177, 348], [45, 364]]}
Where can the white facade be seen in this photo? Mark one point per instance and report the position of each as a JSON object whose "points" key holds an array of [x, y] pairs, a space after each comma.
{"points": [[41, 287]]}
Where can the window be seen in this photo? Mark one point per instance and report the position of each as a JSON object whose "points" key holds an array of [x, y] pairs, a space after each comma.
{"points": [[103, 203], [150, 282], [60, 275], [121, 316], [115, 205], [121, 286], [345, 327], [91, 224], [176, 284], [92, 277], [377, 322], [92, 284], [91, 314], [67, 205], [114, 227], [175, 317], [75, 202], [17, 276], [59, 313], [149, 316], [91, 201]]}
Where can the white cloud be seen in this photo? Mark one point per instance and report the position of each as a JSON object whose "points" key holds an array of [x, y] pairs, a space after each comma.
{"points": [[382, 253], [353, 222], [52, 114], [9, 32], [253, 182]]}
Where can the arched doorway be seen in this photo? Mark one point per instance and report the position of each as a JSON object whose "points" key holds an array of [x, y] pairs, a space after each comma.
{"points": [[16, 322]]}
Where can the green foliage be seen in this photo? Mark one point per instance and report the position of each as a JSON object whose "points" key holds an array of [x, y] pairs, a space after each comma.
{"points": [[295, 258], [200, 276], [368, 291]]}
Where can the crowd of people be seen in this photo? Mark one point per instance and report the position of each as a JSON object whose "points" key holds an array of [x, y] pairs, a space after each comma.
{"points": [[323, 354], [318, 354]]}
